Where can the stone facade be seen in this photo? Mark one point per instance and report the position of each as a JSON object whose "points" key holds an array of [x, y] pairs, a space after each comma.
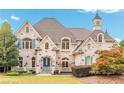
{"points": [[48, 45]]}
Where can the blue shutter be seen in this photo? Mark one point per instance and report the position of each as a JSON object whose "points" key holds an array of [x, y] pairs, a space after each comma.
{"points": [[33, 43], [19, 43]]}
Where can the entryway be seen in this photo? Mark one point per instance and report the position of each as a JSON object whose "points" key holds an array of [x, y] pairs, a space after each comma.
{"points": [[46, 64]]}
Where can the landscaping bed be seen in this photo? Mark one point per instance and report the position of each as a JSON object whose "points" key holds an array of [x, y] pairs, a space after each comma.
{"points": [[111, 79]]}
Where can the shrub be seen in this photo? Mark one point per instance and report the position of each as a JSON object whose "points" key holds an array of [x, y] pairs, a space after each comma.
{"points": [[56, 72], [12, 73], [33, 71], [80, 71], [110, 62], [108, 68]]}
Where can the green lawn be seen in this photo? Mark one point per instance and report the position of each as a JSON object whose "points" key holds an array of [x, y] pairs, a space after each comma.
{"points": [[39, 80]]}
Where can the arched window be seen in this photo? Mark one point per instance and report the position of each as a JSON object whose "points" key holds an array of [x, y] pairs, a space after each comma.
{"points": [[65, 44], [65, 62], [46, 46], [33, 61], [100, 38], [20, 62], [89, 46]]}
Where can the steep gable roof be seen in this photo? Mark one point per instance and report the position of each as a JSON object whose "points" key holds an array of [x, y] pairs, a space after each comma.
{"points": [[52, 28]]}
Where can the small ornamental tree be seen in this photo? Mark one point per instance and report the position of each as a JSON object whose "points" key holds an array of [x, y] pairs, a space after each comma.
{"points": [[109, 62], [8, 50], [122, 46]]}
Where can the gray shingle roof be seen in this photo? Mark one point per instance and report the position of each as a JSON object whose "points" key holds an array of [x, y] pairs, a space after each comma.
{"points": [[80, 33], [52, 28], [94, 34], [55, 30]]}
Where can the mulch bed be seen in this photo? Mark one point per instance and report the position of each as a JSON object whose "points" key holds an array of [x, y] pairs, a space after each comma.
{"points": [[113, 79]]}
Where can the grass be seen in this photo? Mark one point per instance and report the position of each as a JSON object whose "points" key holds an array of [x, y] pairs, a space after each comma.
{"points": [[39, 80]]}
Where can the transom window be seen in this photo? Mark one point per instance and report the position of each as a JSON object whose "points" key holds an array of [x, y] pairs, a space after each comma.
{"points": [[65, 44], [65, 62], [33, 61]]}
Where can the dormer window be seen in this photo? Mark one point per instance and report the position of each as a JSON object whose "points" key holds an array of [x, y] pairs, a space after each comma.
{"points": [[46, 46], [27, 29], [65, 44], [100, 38]]}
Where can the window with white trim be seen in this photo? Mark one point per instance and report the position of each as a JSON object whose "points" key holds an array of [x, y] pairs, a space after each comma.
{"points": [[65, 44], [100, 37], [65, 62], [27, 29]]}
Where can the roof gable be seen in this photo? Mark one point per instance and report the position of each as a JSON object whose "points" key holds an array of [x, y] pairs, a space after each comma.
{"points": [[94, 34], [52, 28]]}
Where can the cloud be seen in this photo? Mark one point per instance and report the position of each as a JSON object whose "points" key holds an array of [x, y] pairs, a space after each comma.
{"points": [[15, 18], [117, 39], [5, 20], [111, 10], [86, 10], [101, 10]]}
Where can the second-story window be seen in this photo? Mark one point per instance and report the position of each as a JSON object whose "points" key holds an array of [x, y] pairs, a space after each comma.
{"points": [[65, 44], [27, 29], [89, 46], [46, 46], [27, 43], [100, 38]]}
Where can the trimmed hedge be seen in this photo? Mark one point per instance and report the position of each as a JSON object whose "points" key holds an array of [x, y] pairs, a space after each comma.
{"points": [[80, 71]]}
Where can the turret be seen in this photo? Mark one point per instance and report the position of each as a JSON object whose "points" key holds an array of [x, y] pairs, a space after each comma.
{"points": [[97, 22]]}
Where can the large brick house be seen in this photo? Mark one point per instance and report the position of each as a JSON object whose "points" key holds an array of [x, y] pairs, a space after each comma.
{"points": [[48, 45]]}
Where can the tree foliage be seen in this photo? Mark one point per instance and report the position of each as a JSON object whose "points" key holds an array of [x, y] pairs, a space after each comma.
{"points": [[109, 62], [8, 50]]}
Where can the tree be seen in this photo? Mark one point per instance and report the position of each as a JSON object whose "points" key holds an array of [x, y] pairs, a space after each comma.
{"points": [[122, 46], [109, 62], [122, 43], [8, 50]]}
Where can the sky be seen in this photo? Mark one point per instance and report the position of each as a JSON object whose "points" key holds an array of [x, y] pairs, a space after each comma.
{"points": [[112, 20]]}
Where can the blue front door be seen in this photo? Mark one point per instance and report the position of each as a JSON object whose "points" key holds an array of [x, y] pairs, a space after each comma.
{"points": [[46, 64]]}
